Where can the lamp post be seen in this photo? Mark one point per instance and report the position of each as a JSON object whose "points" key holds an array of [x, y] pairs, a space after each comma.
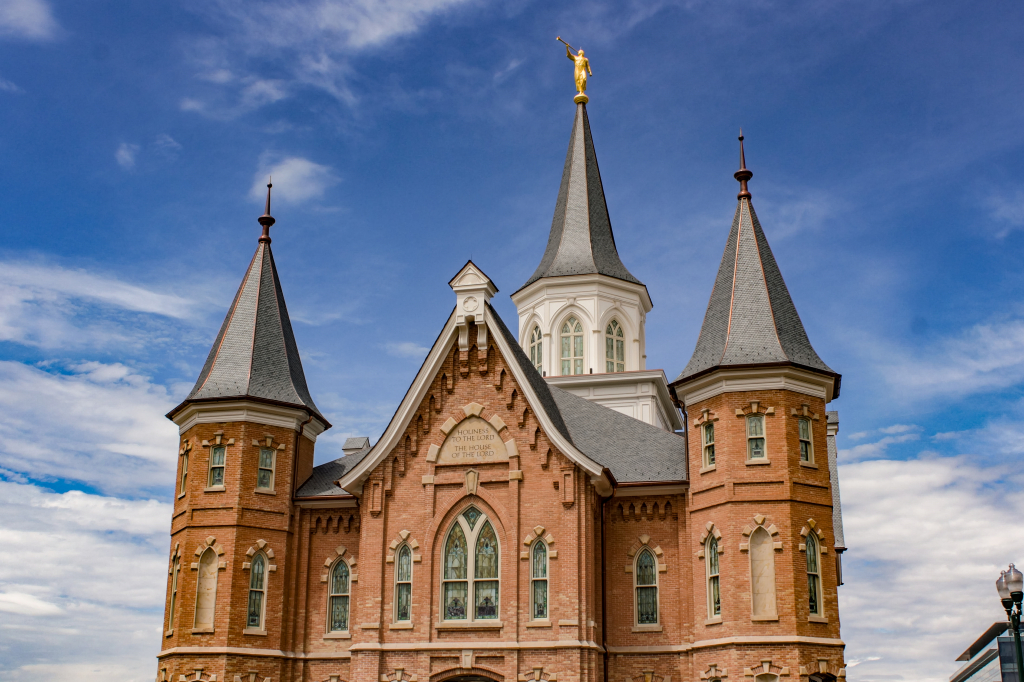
{"points": [[1011, 591]]}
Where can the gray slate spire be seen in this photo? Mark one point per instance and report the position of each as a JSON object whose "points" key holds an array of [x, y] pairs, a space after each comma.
{"points": [[255, 355], [581, 240], [751, 319]]}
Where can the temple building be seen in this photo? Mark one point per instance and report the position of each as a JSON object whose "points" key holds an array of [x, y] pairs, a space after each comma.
{"points": [[541, 506]]}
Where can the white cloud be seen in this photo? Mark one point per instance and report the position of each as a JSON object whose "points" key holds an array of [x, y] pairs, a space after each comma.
{"points": [[30, 19], [407, 349], [1007, 210], [927, 538], [874, 450], [295, 179], [125, 155], [26, 604], [167, 145], [8, 86]]}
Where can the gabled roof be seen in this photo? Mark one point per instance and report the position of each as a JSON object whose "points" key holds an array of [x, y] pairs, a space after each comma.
{"points": [[581, 240], [321, 482], [255, 355], [751, 319]]}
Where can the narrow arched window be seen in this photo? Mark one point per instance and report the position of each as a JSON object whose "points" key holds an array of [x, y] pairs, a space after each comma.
{"points": [[403, 584], [206, 590], [813, 575], [572, 347], [175, 570], [708, 433], [755, 437], [218, 454], [762, 574], [539, 581], [471, 569], [646, 577], [806, 445], [338, 600], [265, 471], [537, 349], [714, 588], [184, 473], [257, 592], [614, 348]]}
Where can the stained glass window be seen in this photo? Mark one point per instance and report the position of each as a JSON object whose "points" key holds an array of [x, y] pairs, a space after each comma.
{"points": [[537, 349], [539, 578], [265, 474], [175, 570], [806, 449], [472, 514], [403, 584], [646, 576], [572, 347], [813, 576], [456, 568], [709, 444], [614, 348], [714, 591], [257, 591], [478, 570], [755, 437], [217, 453], [337, 619]]}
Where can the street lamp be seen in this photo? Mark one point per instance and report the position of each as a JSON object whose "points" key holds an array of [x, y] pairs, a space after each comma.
{"points": [[1011, 591]]}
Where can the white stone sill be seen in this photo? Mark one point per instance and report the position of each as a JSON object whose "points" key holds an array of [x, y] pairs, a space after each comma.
{"points": [[809, 465], [757, 462], [214, 489], [539, 624], [263, 491], [765, 619], [182, 494], [714, 620], [169, 632], [647, 628], [400, 626], [817, 619], [254, 631], [202, 631], [470, 625], [710, 467], [338, 635]]}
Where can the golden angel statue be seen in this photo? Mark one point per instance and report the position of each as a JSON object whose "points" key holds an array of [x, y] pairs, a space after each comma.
{"points": [[581, 71]]}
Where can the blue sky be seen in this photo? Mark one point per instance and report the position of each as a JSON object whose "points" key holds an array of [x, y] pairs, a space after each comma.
{"points": [[407, 136]]}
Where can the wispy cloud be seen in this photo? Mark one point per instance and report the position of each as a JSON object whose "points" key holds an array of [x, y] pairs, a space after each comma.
{"points": [[8, 86], [1007, 211], [407, 349], [295, 179], [30, 19], [125, 155]]}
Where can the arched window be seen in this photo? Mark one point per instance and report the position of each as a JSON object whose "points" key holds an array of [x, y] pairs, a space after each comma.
{"points": [[762, 574], [539, 581], [813, 575], [338, 600], [184, 473], [572, 347], [265, 471], [217, 456], [614, 348], [806, 445], [403, 584], [714, 588], [470, 579], [646, 578], [175, 570], [206, 590], [755, 437], [537, 349], [257, 592], [708, 433]]}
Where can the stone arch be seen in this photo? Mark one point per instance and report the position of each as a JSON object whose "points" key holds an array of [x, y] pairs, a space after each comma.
{"points": [[340, 554], [449, 508], [473, 674], [586, 321], [404, 538], [629, 335], [260, 546], [761, 548], [641, 542], [538, 534]]}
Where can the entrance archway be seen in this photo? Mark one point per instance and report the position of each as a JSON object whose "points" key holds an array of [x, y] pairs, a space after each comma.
{"points": [[477, 675]]}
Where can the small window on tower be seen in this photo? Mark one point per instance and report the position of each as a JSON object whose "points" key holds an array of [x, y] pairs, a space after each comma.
{"points": [[709, 444], [614, 348], [217, 455], [572, 347], [265, 474], [184, 473], [537, 349], [755, 437], [806, 447]]}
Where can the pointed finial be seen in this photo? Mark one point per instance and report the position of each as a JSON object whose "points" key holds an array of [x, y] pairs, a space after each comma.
{"points": [[743, 174], [266, 220]]}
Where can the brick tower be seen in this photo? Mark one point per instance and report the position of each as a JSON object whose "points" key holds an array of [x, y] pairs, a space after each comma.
{"points": [[247, 432], [761, 499]]}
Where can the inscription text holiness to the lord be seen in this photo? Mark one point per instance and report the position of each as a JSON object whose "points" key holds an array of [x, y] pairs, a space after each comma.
{"points": [[472, 441]]}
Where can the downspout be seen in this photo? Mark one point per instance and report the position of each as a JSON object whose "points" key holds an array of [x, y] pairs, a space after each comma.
{"points": [[298, 432], [604, 596]]}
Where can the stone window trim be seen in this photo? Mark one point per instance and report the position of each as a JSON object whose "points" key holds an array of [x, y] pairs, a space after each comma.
{"points": [[766, 667], [208, 546], [174, 571], [812, 528], [714, 673], [804, 414], [823, 667], [403, 540], [183, 455], [218, 441], [531, 539], [706, 417], [471, 535], [219, 549], [759, 521], [535, 346], [640, 546], [583, 321], [754, 409], [641, 542], [260, 630], [538, 534], [615, 354], [267, 442], [710, 531], [260, 546], [341, 554]]}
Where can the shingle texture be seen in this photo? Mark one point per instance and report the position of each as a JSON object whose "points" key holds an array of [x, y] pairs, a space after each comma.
{"points": [[581, 240], [321, 482], [832, 417], [255, 355], [750, 318]]}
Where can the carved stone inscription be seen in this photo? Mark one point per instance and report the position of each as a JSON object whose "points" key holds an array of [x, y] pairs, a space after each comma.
{"points": [[472, 441]]}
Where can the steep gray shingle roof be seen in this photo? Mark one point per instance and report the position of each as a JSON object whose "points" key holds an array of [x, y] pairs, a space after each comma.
{"points": [[751, 319], [321, 482], [581, 240], [255, 355], [832, 417]]}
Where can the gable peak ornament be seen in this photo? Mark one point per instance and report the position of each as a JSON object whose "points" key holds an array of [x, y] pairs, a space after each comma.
{"points": [[580, 72]]}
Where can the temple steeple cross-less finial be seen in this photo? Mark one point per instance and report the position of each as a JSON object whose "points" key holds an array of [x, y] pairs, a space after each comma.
{"points": [[743, 174], [266, 220], [580, 72]]}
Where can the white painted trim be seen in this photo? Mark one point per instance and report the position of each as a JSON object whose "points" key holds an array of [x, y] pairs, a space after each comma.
{"points": [[538, 289], [706, 643], [477, 644], [353, 480], [756, 379], [248, 411], [655, 376]]}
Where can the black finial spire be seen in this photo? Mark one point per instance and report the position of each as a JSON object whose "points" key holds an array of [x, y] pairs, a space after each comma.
{"points": [[743, 174], [266, 220]]}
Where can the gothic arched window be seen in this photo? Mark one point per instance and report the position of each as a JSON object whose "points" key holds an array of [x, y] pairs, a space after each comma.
{"points": [[714, 587], [572, 347], [257, 592], [614, 348], [813, 575], [470, 579], [755, 437], [175, 571], [537, 349], [708, 433], [206, 590], [403, 584], [762, 574], [338, 599], [539, 581], [645, 575]]}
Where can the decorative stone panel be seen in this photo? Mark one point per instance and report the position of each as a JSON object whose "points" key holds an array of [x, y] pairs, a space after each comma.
{"points": [[759, 521], [260, 546], [221, 565]]}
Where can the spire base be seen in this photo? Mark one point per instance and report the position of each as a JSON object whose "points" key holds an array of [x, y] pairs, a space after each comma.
{"points": [[581, 98]]}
